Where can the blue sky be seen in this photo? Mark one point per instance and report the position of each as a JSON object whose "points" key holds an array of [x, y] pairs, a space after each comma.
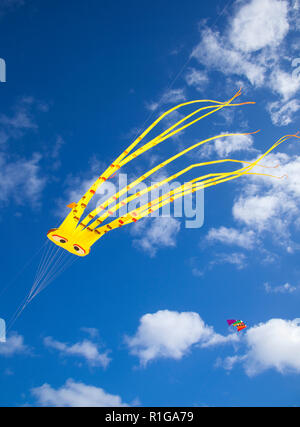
{"points": [[142, 319]]}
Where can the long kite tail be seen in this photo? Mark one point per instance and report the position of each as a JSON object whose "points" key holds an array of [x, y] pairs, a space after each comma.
{"points": [[129, 155], [190, 187], [199, 183], [114, 203]]}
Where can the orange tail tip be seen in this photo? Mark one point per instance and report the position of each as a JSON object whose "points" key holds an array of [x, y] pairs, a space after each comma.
{"points": [[252, 133], [72, 205]]}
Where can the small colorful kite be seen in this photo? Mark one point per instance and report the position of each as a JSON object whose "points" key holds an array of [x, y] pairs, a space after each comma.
{"points": [[238, 323]]}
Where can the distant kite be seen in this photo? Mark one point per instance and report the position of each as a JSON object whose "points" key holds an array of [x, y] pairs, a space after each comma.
{"points": [[239, 324]]}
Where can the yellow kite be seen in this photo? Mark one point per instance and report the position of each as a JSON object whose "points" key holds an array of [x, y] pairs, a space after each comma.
{"points": [[77, 234]]}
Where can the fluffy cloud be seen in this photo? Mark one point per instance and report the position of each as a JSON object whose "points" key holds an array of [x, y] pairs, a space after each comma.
{"points": [[229, 144], [170, 334], [171, 96], [268, 203], [282, 114], [236, 258], [23, 117], [259, 23], [256, 210], [77, 185], [75, 394], [197, 79], [253, 47], [213, 52], [266, 207], [13, 345], [21, 180], [271, 345], [284, 84], [287, 288], [156, 233], [230, 236], [92, 332], [85, 349]]}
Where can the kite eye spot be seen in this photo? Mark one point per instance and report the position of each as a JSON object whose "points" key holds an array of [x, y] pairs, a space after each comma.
{"points": [[79, 249], [59, 239]]}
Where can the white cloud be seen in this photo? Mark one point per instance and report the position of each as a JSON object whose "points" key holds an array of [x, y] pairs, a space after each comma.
{"points": [[55, 152], [265, 207], [92, 332], [230, 236], [223, 147], [75, 394], [197, 79], [171, 96], [259, 23], [284, 83], [85, 349], [13, 345], [20, 120], [271, 204], [282, 114], [23, 117], [213, 52], [253, 46], [21, 180], [287, 288], [77, 185], [156, 233], [256, 210], [271, 345], [236, 258], [170, 334]]}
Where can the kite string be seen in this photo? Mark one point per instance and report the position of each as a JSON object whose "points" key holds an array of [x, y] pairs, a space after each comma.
{"points": [[55, 265], [42, 262], [51, 267], [169, 87], [23, 304], [56, 274], [13, 280]]}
